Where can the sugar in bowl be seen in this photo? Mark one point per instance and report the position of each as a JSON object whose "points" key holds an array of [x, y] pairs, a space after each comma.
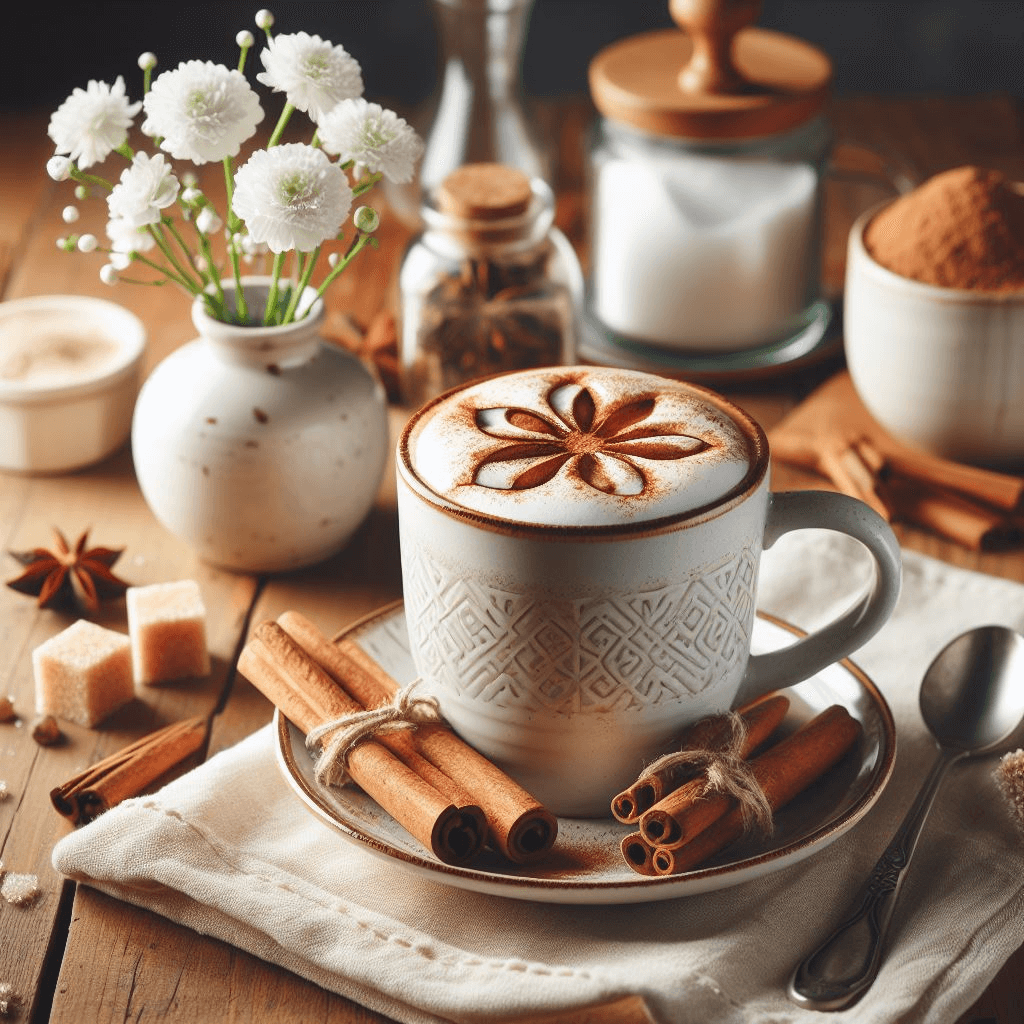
{"points": [[706, 171]]}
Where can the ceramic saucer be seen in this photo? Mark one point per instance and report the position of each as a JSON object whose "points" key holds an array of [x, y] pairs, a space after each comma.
{"points": [[585, 865]]}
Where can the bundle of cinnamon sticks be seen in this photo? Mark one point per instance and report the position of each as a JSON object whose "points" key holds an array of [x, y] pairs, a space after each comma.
{"points": [[442, 791], [681, 823], [832, 434]]}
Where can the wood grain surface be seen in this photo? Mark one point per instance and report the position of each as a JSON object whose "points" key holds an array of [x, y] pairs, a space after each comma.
{"points": [[77, 955]]}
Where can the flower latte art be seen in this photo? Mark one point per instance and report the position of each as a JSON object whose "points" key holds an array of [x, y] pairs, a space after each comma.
{"points": [[580, 447], [605, 449]]}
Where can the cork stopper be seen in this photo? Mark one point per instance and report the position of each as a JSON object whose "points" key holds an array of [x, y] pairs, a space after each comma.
{"points": [[486, 192], [717, 77]]}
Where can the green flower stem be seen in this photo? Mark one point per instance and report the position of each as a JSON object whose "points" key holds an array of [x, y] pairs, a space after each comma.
{"points": [[282, 122], [275, 276], [306, 272], [182, 283], [358, 244], [176, 235], [366, 184], [234, 226], [158, 235], [213, 277], [126, 151], [89, 179]]}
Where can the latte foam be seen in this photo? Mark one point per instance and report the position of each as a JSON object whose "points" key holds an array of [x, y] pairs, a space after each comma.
{"points": [[581, 447]]}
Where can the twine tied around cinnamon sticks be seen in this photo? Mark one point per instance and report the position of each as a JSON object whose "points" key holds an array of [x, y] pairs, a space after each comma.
{"points": [[331, 742], [725, 770]]}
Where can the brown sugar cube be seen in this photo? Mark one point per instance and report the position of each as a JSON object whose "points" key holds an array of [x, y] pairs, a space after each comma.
{"points": [[83, 674], [167, 624]]}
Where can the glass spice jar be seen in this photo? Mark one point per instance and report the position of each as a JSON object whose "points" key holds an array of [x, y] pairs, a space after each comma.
{"points": [[490, 285]]}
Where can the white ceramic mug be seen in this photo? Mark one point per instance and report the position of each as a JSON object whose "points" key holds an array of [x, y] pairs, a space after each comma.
{"points": [[580, 550]]}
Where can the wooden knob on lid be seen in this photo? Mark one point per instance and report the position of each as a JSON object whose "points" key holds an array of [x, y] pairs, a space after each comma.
{"points": [[711, 26], [716, 76]]}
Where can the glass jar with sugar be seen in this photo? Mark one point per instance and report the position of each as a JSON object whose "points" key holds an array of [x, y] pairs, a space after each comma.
{"points": [[706, 172]]}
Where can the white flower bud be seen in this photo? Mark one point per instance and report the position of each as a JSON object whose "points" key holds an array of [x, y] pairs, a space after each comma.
{"points": [[147, 61], [64, 244], [188, 179], [191, 196], [81, 192], [367, 219], [201, 265], [88, 243], [59, 168], [69, 214], [245, 39], [332, 259], [207, 221], [120, 260], [264, 19], [109, 274]]}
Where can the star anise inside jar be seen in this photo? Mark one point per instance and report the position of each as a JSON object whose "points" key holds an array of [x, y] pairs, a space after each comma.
{"points": [[69, 575], [494, 315]]}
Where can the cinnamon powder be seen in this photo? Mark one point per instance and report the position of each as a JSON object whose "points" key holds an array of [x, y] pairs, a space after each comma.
{"points": [[962, 228]]}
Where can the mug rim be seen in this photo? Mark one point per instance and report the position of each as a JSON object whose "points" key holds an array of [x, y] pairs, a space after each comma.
{"points": [[757, 472]]}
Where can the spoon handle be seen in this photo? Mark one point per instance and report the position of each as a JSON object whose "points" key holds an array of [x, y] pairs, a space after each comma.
{"points": [[844, 966]]}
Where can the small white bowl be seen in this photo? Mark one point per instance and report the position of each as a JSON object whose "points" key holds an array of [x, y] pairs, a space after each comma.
{"points": [[939, 368], [70, 370]]}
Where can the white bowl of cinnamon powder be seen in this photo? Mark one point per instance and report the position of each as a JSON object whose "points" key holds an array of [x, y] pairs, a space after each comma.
{"points": [[70, 370], [934, 316]]}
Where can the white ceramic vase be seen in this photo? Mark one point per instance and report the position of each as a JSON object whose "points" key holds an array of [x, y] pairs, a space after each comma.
{"points": [[262, 447]]}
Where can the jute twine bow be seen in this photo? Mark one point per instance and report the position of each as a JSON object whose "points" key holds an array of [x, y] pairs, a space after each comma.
{"points": [[725, 771], [335, 739]]}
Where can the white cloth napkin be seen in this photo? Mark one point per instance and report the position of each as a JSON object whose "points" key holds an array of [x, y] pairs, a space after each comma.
{"points": [[229, 851]]}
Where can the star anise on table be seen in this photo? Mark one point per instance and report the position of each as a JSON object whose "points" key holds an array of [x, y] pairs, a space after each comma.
{"points": [[69, 575]]}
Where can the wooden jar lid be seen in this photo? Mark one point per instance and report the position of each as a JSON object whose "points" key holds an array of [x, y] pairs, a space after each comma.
{"points": [[484, 192], [718, 78]]}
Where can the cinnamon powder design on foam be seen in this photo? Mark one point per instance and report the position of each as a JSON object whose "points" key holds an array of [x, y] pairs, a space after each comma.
{"points": [[962, 228]]}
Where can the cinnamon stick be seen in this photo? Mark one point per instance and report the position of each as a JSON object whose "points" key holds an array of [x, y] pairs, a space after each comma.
{"points": [[521, 828], [761, 718], [638, 853], [308, 697], [783, 771], [127, 772]]}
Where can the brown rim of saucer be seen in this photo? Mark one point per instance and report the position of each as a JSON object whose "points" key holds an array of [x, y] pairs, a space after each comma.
{"points": [[758, 462]]}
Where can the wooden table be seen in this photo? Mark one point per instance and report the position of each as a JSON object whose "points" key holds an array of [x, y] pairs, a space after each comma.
{"points": [[79, 956]]}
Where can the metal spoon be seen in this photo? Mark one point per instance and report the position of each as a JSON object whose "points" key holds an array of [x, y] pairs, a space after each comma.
{"points": [[972, 700]]}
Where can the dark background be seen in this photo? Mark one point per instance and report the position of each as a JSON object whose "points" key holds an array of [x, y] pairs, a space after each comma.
{"points": [[882, 46]]}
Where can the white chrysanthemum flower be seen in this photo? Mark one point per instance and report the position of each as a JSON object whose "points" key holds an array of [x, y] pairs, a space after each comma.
{"points": [[125, 237], [291, 197], [373, 136], [146, 187], [92, 122], [313, 73], [202, 111]]}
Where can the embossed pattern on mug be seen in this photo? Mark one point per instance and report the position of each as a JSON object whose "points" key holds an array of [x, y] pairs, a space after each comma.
{"points": [[626, 652]]}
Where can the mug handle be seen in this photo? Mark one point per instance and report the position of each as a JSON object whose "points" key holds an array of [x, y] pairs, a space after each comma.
{"points": [[803, 510]]}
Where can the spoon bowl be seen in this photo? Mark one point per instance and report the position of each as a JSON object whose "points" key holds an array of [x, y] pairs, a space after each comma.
{"points": [[972, 696], [972, 700]]}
